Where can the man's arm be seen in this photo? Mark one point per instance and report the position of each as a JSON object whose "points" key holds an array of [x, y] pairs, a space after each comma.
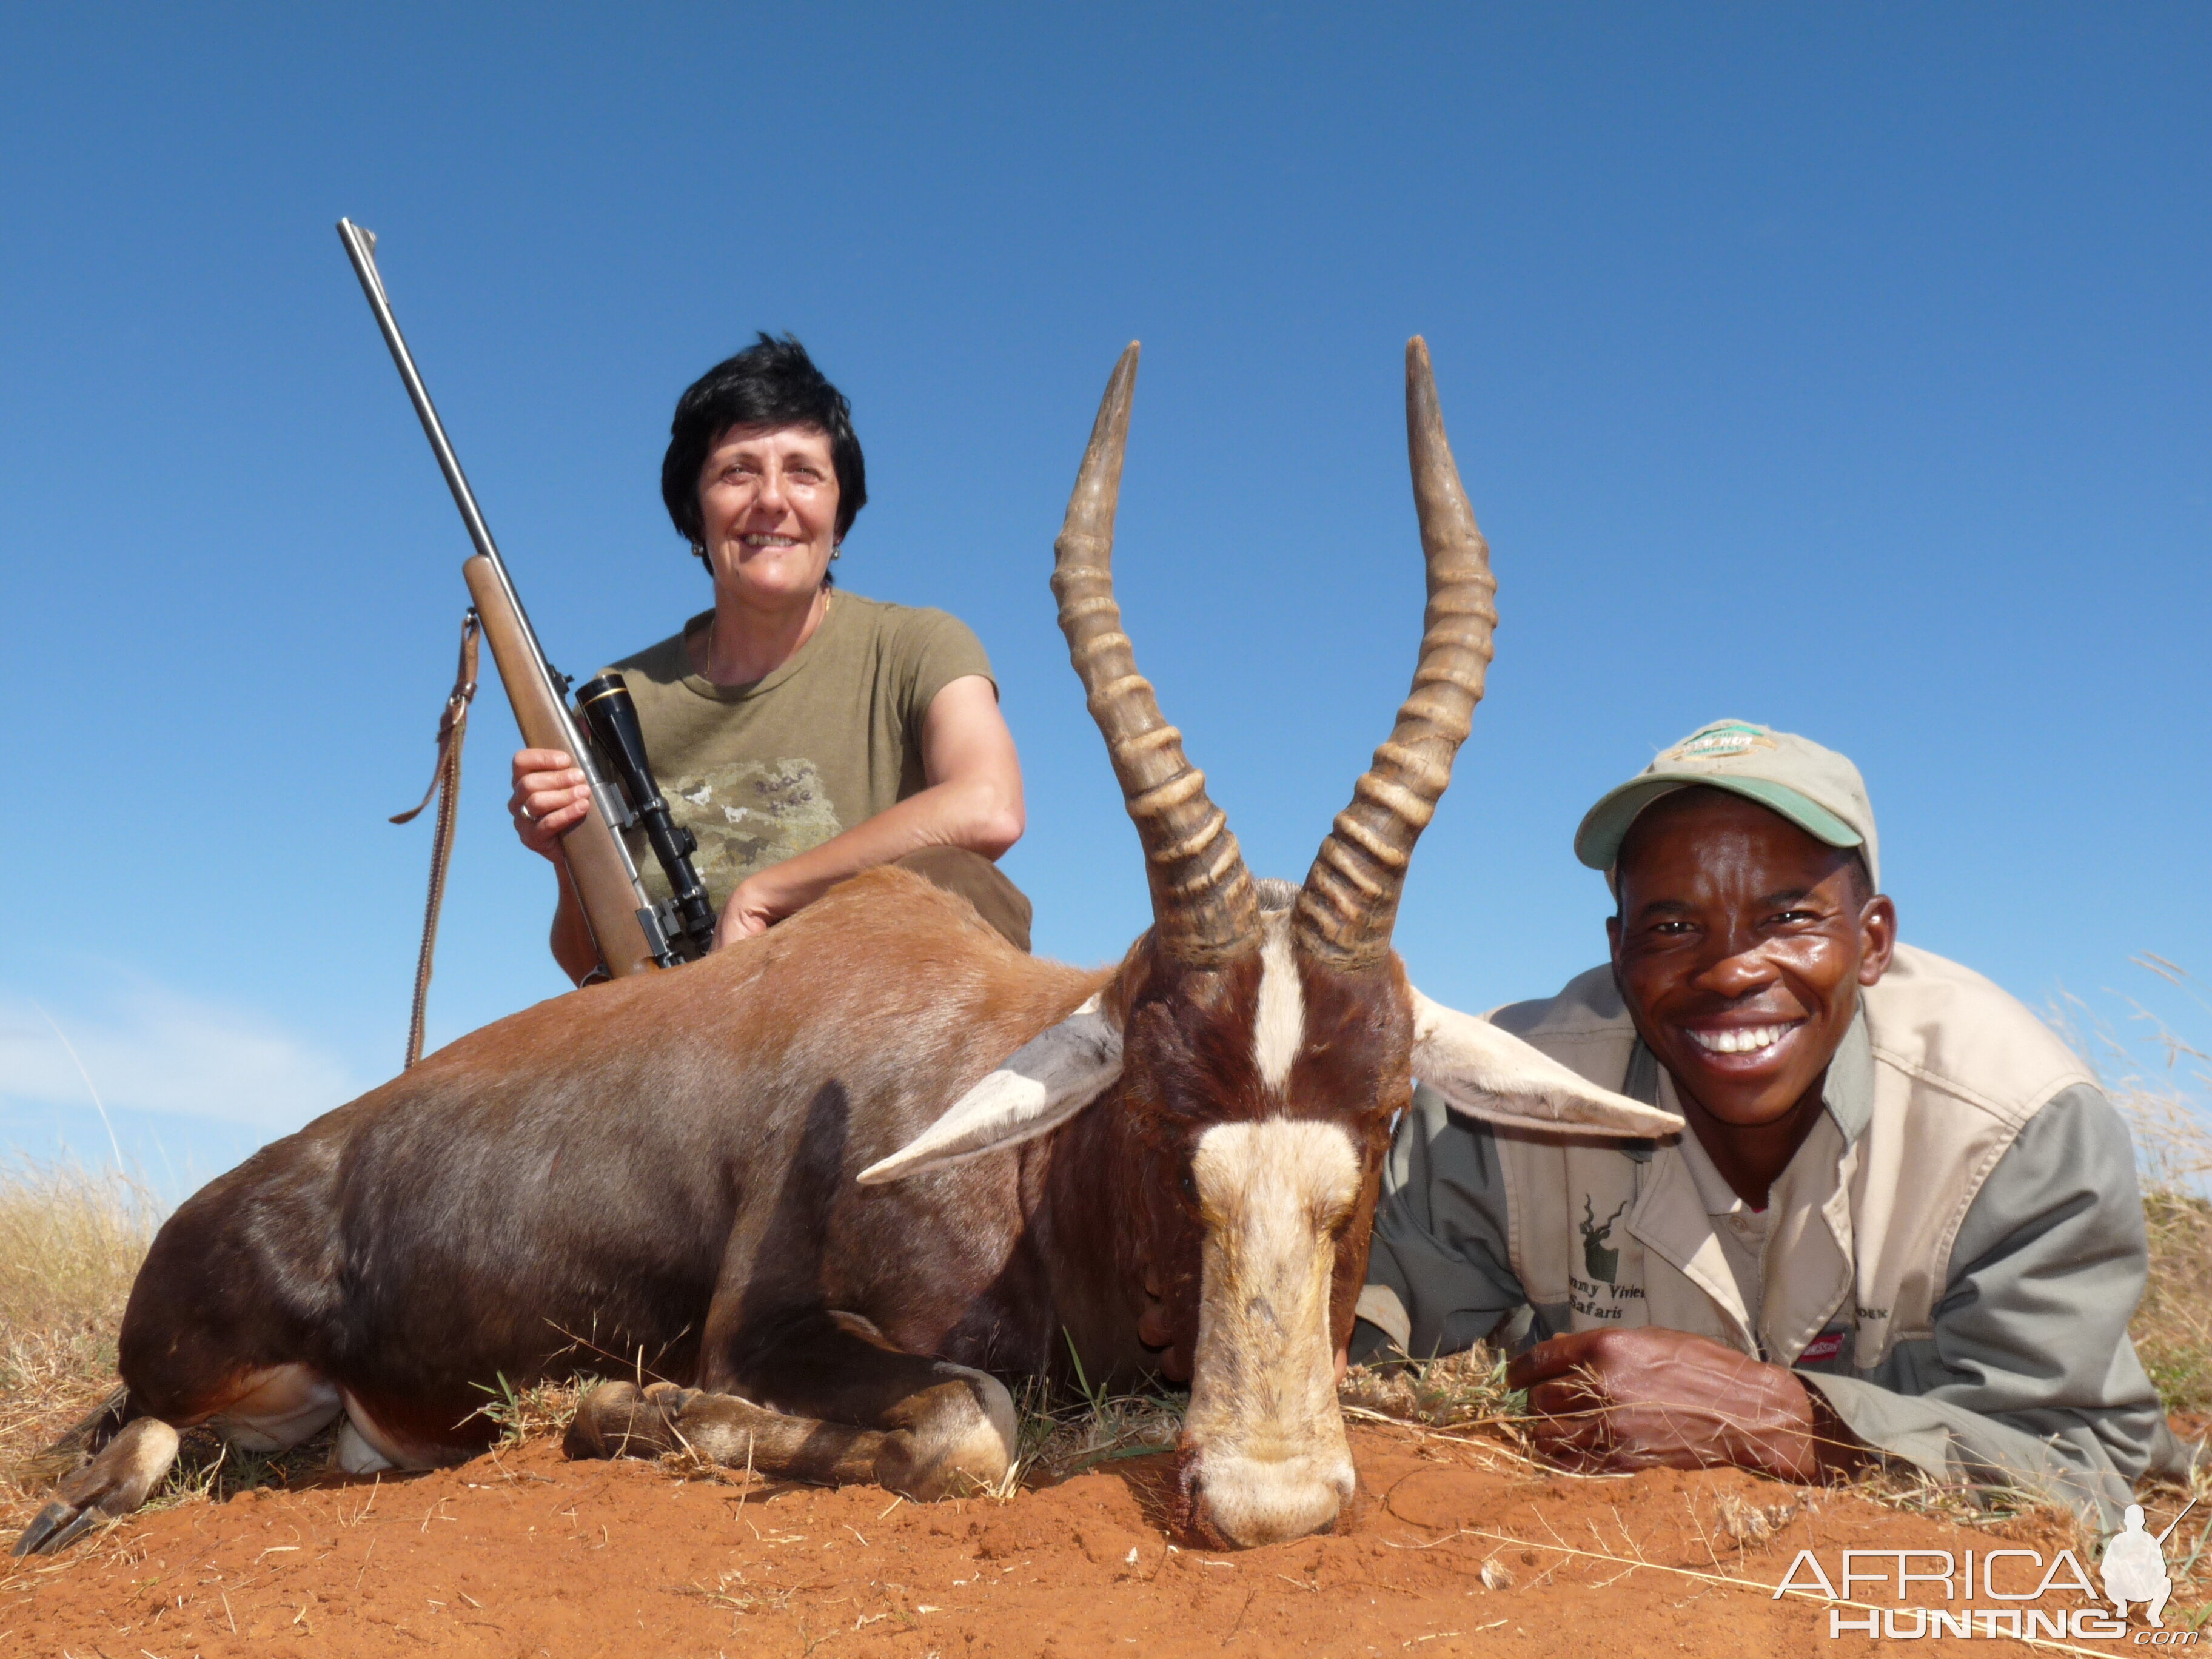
{"points": [[1439, 1273], [1440, 1278], [2029, 1378], [973, 800]]}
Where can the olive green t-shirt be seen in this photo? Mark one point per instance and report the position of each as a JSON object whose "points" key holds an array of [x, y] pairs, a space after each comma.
{"points": [[762, 772]]}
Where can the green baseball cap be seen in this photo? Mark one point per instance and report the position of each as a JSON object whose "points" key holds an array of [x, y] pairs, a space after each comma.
{"points": [[1817, 789]]}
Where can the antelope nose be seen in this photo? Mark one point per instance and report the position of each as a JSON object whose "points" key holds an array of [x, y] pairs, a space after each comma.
{"points": [[1250, 1501]]}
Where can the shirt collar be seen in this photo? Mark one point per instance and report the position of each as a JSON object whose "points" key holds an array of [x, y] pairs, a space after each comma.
{"points": [[1848, 1090]]}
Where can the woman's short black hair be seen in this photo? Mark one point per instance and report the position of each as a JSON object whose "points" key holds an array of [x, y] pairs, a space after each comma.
{"points": [[771, 382]]}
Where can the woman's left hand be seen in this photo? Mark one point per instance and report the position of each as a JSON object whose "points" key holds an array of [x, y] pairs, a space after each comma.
{"points": [[754, 908]]}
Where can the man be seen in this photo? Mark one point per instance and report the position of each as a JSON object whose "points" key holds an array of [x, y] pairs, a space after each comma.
{"points": [[1902, 1222]]}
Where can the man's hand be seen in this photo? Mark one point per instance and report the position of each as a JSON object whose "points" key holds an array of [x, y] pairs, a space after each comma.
{"points": [[1650, 1398], [550, 798]]}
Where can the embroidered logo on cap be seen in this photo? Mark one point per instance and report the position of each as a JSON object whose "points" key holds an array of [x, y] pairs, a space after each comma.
{"points": [[1719, 741]]}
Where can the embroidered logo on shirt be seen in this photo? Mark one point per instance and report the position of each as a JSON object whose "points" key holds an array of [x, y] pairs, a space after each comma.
{"points": [[1601, 1262], [1824, 1346]]}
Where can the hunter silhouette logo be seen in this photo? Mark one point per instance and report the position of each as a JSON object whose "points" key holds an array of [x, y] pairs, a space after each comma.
{"points": [[2134, 1565], [1601, 1262]]}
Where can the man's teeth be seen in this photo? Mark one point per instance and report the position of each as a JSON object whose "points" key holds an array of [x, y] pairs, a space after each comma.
{"points": [[1743, 1040]]}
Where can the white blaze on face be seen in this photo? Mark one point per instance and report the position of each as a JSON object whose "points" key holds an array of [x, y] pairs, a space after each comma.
{"points": [[1267, 1440], [1279, 1029]]}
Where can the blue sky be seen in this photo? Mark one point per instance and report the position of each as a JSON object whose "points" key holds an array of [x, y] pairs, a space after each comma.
{"points": [[1840, 368]]}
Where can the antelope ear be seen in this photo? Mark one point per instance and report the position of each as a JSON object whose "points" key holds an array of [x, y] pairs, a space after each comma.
{"points": [[1488, 1072], [1048, 1081]]}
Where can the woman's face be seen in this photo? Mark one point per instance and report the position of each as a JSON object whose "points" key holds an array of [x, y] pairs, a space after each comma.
{"points": [[768, 501]]}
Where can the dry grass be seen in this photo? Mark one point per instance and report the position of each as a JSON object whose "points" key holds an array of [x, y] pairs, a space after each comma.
{"points": [[2173, 1327], [2162, 1084], [536, 1411], [1064, 1433], [71, 1241], [1456, 1391]]}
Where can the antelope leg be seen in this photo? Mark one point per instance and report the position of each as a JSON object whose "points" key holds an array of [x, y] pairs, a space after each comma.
{"points": [[112, 1484]]}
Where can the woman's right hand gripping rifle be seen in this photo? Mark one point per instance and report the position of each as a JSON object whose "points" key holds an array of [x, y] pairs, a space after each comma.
{"points": [[550, 798]]}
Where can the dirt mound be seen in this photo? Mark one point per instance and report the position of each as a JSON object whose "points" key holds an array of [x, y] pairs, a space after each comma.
{"points": [[1455, 1546]]}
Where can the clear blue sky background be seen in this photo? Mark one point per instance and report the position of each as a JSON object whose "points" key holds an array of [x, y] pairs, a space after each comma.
{"points": [[1840, 368]]}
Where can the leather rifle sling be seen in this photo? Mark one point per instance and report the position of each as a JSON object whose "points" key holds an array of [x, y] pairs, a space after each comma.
{"points": [[446, 784]]}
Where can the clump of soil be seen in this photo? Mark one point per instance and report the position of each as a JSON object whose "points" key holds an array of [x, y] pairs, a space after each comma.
{"points": [[1457, 1545]]}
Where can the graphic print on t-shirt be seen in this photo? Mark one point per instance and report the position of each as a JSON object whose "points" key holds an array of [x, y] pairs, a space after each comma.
{"points": [[751, 814]]}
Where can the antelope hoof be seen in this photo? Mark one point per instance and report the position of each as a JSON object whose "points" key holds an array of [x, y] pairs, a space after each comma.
{"points": [[962, 1436], [110, 1486], [615, 1420]]}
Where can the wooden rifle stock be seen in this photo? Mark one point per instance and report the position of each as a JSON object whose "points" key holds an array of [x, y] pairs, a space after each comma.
{"points": [[597, 868]]}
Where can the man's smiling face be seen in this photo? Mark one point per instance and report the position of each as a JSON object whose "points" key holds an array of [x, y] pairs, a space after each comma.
{"points": [[1741, 947]]}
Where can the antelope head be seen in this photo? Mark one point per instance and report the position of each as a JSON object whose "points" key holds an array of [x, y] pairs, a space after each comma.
{"points": [[1260, 1037]]}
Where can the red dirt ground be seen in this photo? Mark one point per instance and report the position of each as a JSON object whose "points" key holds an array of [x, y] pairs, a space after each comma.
{"points": [[522, 1553]]}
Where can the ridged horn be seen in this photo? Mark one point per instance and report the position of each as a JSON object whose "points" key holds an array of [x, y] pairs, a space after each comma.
{"points": [[1349, 905], [1205, 910]]}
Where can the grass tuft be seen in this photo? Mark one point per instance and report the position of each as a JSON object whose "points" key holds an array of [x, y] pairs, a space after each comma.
{"points": [[70, 1242], [1065, 1433], [1456, 1390], [535, 1410]]}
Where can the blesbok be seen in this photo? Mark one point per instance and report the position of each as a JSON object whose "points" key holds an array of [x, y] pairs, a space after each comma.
{"points": [[744, 1178]]}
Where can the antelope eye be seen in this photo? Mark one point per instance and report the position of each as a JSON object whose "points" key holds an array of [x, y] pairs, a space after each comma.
{"points": [[1189, 1185]]}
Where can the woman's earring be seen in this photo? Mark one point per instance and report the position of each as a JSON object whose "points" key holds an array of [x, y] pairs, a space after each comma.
{"points": [[836, 551], [698, 549]]}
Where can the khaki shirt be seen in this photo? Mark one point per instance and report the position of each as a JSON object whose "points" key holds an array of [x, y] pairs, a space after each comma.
{"points": [[1951, 1257]]}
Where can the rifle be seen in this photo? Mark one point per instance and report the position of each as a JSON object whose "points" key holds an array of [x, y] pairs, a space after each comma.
{"points": [[630, 931]]}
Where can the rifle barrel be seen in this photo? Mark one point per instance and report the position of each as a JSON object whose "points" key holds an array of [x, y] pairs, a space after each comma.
{"points": [[2177, 1521], [360, 249]]}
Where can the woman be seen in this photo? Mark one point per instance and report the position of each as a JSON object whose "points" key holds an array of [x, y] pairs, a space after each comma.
{"points": [[803, 733]]}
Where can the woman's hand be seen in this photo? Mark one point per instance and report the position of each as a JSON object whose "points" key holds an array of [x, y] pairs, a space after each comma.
{"points": [[550, 798], [754, 908], [1640, 1398]]}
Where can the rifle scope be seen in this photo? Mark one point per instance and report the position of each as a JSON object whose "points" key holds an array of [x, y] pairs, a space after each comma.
{"points": [[606, 705]]}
